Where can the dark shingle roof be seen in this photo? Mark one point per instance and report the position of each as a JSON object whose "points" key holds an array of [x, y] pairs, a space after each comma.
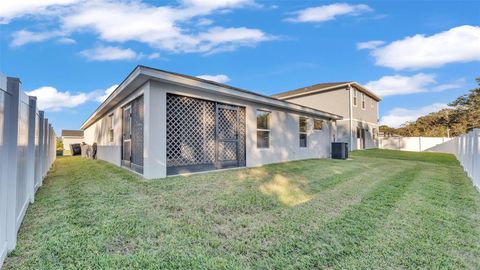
{"points": [[76, 133], [324, 86]]}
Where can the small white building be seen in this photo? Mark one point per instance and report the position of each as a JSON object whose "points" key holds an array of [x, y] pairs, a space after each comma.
{"points": [[70, 137], [160, 123]]}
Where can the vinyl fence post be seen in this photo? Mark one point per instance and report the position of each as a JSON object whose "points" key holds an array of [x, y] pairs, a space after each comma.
{"points": [[31, 148], [13, 89], [38, 181], [4, 180], [475, 160], [45, 154]]}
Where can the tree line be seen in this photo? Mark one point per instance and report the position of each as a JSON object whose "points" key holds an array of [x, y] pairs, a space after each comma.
{"points": [[462, 115]]}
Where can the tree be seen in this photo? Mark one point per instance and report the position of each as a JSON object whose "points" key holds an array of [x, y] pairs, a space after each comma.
{"points": [[463, 115], [59, 144]]}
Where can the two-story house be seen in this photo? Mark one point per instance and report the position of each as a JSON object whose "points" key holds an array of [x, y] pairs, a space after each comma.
{"points": [[356, 104]]}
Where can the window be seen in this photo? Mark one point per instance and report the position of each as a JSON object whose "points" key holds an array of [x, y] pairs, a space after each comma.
{"points": [[110, 127], [317, 124], [355, 97], [302, 128], [363, 101], [263, 129]]}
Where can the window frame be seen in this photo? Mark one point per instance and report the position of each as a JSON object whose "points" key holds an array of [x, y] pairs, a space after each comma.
{"points": [[268, 129], [355, 97], [316, 121], [300, 132], [111, 129], [363, 101]]}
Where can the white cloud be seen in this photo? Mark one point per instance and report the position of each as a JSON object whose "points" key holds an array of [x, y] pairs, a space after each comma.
{"points": [[23, 37], [219, 39], [398, 116], [109, 53], [153, 56], [328, 12], [10, 9], [165, 27], [204, 22], [220, 78], [403, 85], [448, 86], [217, 4], [49, 98], [370, 44], [459, 44], [65, 40], [106, 93]]}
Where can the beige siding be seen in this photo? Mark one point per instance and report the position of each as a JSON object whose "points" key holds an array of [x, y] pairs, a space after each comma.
{"points": [[369, 114], [338, 101], [334, 101]]}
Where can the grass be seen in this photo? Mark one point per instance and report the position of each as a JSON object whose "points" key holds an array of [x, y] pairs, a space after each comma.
{"points": [[382, 209]]}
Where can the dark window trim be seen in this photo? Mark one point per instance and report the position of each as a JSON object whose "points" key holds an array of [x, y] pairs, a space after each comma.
{"points": [[300, 132]]}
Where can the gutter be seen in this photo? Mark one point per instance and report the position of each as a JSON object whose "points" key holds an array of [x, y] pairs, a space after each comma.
{"points": [[350, 113]]}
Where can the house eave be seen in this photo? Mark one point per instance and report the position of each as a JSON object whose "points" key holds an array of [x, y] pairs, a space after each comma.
{"points": [[142, 74], [334, 87]]}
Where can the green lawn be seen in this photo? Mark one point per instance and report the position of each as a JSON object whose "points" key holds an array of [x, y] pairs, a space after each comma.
{"points": [[382, 209]]}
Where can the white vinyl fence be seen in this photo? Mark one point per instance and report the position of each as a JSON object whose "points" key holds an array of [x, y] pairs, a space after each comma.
{"points": [[415, 144], [27, 151], [467, 151]]}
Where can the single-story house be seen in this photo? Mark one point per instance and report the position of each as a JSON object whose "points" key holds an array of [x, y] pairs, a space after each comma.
{"points": [[159, 123], [357, 105], [70, 137]]}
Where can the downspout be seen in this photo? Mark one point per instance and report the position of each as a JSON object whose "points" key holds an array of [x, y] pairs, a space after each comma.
{"points": [[350, 113]]}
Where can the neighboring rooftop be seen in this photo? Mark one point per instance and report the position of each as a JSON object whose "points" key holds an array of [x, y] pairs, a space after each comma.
{"points": [[324, 87], [72, 133]]}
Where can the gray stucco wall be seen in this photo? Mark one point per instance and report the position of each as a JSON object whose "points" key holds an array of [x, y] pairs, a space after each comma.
{"points": [[98, 133], [332, 101], [344, 132], [338, 101], [284, 144], [284, 134]]}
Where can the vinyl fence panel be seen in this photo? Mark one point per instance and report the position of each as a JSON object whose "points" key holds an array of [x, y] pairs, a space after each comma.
{"points": [[415, 144], [4, 98], [27, 152]]}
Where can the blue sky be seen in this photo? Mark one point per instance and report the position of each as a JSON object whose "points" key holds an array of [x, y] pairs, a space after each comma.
{"points": [[417, 55]]}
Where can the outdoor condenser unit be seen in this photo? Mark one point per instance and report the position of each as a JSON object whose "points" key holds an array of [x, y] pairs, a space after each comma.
{"points": [[339, 150]]}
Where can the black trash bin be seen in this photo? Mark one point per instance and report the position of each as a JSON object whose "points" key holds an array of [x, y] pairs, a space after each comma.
{"points": [[76, 149], [339, 150]]}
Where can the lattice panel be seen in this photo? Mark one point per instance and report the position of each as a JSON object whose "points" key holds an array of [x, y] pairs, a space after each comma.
{"points": [[227, 151], [190, 131], [227, 124], [242, 130], [137, 131]]}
